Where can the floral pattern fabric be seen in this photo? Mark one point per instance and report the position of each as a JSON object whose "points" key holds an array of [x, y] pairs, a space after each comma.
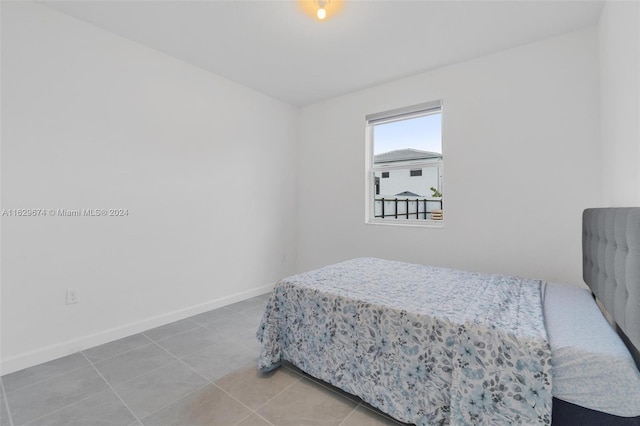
{"points": [[425, 345]]}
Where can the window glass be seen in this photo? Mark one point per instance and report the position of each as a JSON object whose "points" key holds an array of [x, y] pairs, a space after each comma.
{"points": [[406, 167]]}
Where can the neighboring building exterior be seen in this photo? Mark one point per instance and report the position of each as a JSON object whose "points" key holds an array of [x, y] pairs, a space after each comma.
{"points": [[410, 170]]}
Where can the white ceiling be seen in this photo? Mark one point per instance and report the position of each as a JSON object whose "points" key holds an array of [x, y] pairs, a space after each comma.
{"points": [[276, 48]]}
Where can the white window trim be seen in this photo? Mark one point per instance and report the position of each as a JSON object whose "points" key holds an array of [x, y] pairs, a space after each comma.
{"points": [[419, 110]]}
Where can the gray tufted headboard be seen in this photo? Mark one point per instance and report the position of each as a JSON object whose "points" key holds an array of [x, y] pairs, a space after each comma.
{"points": [[611, 266]]}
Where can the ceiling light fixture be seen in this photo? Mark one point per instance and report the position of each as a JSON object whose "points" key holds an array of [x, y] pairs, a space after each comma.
{"points": [[322, 12]]}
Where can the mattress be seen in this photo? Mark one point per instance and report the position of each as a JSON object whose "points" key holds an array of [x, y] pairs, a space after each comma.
{"points": [[426, 345], [591, 366]]}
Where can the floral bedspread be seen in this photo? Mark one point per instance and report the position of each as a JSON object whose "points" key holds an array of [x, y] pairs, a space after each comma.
{"points": [[425, 345]]}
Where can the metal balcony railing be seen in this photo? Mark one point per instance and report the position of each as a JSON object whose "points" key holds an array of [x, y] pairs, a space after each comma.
{"points": [[408, 208]]}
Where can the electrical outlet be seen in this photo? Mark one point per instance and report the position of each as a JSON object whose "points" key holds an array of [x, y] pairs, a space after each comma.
{"points": [[72, 296]]}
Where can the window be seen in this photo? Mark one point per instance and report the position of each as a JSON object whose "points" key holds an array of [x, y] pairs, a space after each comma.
{"points": [[405, 166]]}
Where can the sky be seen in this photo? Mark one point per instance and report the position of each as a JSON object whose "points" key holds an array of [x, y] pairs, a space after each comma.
{"points": [[423, 133]]}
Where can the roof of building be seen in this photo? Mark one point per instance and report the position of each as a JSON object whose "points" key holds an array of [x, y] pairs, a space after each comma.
{"points": [[407, 154], [408, 194]]}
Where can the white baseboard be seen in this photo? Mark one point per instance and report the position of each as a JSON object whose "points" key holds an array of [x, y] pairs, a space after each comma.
{"points": [[58, 350]]}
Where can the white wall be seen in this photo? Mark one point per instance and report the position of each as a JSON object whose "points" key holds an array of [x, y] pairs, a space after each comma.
{"points": [[91, 120], [619, 49], [522, 160]]}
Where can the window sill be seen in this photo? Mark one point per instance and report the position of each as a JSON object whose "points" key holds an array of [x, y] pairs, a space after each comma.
{"points": [[409, 223]]}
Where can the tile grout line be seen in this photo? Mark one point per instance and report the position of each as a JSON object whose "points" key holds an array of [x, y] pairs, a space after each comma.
{"points": [[334, 389], [190, 353], [214, 384], [57, 376], [236, 399], [204, 324], [146, 372], [119, 353], [234, 314], [207, 382], [224, 337], [197, 325], [251, 305], [42, 381], [249, 312], [81, 352], [148, 343], [243, 419], [184, 363], [233, 338], [5, 401], [142, 333], [113, 390], [255, 413], [278, 394], [360, 403], [349, 415], [263, 418], [87, 358], [155, 342], [174, 401], [62, 408], [211, 382]]}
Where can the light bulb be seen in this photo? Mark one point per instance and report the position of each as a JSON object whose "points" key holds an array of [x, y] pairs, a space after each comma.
{"points": [[322, 13]]}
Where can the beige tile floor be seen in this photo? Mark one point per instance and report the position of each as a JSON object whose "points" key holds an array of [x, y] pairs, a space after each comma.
{"points": [[196, 371]]}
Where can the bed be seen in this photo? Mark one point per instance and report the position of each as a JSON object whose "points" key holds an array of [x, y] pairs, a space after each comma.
{"points": [[431, 345]]}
